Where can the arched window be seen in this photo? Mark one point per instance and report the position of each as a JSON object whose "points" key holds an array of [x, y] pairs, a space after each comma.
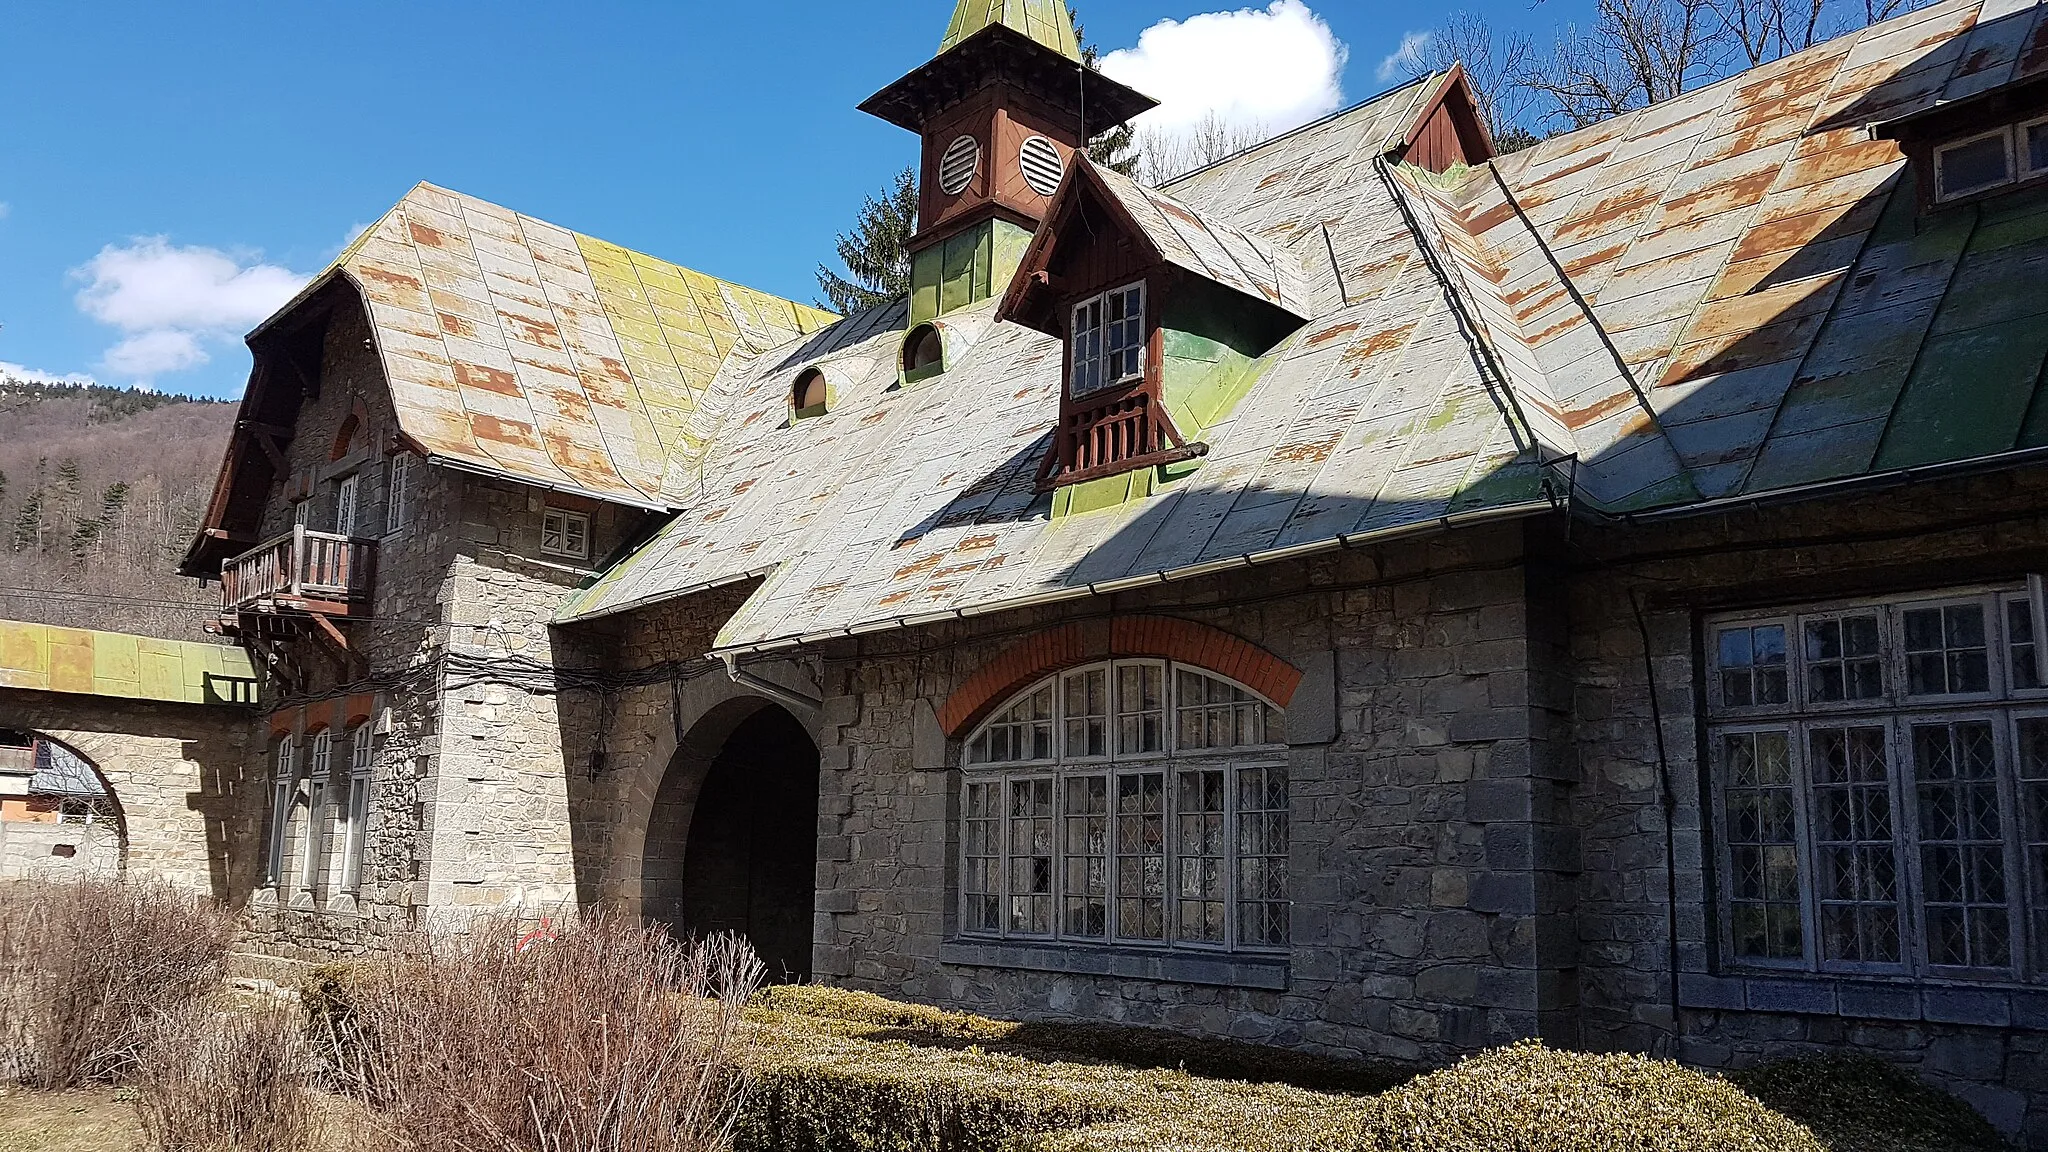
{"points": [[1129, 802], [283, 787], [809, 395], [924, 352]]}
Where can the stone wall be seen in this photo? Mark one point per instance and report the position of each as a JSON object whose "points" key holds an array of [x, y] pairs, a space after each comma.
{"points": [[1430, 851], [1923, 537], [179, 773]]}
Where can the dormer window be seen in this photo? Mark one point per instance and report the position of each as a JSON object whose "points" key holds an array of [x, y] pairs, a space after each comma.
{"points": [[924, 353], [1973, 165], [1108, 341], [1963, 167], [809, 395], [565, 534]]}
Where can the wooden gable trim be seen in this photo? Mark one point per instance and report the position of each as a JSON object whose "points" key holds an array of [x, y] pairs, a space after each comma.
{"points": [[1033, 286], [1453, 102]]}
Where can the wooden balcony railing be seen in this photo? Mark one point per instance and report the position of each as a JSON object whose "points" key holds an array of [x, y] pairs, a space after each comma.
{"points": [[1118, 434], [303, 570]]}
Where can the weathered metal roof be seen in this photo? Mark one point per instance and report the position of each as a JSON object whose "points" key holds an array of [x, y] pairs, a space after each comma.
{"points": [[1734, 292], [905, 503], [45, 658], [1210, 248], [526, 350], [1046, 21], [1729, 294]]}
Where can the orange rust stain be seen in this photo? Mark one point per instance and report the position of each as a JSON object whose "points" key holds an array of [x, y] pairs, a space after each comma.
{"points": [[1594, 259], [1179, 213], [977, 543], [488, 379], [1279, 177], [874, 417], [389, 276], [1313, 452], [715, 515], [2035, 56], [1570, 321], [743, 485], [1486, 221], [423, 235], [922, 565], [1740, 192], [456, 326], [1577, 418], [533, 331], [496, 430], [1329, 334], [895, 598]]}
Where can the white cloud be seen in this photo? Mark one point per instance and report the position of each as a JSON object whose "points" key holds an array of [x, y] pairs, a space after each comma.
{"points": [[172, 300], [5, 208], [22, 373], [1405, 59], [1275, 68], [152, 353]]}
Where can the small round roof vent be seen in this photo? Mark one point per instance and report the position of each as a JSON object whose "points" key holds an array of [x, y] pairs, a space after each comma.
{"points": [[958, 166], [1042, 165]]}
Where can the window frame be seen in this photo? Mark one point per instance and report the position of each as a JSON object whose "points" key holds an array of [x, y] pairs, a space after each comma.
{"points": [[2018, 148], [567, 518], [2004, 706], [1137, 370], [1113, 767], [2005, 134], [355, 810], [348, 504], [398, 493], [283, 795]]}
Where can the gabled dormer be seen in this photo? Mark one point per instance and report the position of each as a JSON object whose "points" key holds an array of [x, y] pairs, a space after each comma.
{"points": [[1002, 110], [1164, 316]]}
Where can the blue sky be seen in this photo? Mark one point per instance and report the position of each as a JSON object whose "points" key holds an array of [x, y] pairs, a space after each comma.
{"points": [[170, 171]]}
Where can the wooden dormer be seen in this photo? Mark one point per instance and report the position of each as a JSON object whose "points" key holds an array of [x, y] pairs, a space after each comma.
{"points": [[1111, 273]]}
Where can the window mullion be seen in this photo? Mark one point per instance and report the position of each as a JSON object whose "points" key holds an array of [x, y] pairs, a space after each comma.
{"points": [[2005, 749], [1907, 775], [1802, 836]]}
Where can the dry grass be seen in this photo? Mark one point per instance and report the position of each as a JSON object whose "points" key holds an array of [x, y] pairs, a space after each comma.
{"points": [[234, 1080], [102, 1119], [601, 1036], [90, 969]]}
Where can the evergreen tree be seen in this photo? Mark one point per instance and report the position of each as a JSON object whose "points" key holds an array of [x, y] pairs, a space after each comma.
{"points": [[1116, 149], [876, 253]]}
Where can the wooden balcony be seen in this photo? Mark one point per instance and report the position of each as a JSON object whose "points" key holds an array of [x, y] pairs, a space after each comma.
{"points": [[300, 573]]}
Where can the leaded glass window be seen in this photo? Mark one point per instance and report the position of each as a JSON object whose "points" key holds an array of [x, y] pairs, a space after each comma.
{"points": [[1134, 801]]}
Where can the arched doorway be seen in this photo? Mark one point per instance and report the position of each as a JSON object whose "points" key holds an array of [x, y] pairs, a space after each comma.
{"points": [[58, 818], [732, 841]]}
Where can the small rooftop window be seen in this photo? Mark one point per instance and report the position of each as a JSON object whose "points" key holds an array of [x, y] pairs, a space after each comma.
{"points": [[1989, 160], [809, 394], [924, 353]]}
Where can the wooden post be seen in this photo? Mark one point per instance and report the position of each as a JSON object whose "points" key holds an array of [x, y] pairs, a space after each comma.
{"points": [[298, 561]]}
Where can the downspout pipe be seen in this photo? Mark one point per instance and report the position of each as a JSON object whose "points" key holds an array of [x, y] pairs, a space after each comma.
{"points": [[768, 688]]}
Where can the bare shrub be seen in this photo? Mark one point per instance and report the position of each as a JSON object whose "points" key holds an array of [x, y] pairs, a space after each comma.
{"points": [[599, 1036], [89, 968], [225, 1080]]}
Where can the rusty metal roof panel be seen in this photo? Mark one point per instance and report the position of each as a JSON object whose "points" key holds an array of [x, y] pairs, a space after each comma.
{"points": [[533, 352]]}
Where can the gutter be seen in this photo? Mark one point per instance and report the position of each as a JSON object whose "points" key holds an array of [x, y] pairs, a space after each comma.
{"points": [[459, 465], [1891, 478], [768, 688], [1163, 576]]}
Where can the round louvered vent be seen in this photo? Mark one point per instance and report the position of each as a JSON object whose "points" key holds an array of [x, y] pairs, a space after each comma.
{"points": [[1042, 165], [958, 165]]}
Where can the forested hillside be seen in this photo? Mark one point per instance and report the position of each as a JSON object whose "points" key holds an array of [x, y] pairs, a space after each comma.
{"points": [[101, 490]]}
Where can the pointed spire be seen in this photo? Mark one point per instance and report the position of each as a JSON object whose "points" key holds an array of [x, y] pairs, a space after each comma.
{"points": [[1046, 21]]}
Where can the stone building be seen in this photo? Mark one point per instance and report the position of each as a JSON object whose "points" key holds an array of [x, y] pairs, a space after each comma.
{"points": [[1368, 594]]}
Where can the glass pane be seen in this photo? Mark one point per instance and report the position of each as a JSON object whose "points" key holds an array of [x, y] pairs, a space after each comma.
{"points": [[1199, 856], [1962, 850], [1763, 860], [2019, 630], [1752, 665], [1086, 848], [1262, 857], [1030, 850], [1140, 708], [1977, 164], [981, 864], [1087, 711], [1842, 659], [1141, 856], [1856, 856], [1946, 652], [2035, 155]]}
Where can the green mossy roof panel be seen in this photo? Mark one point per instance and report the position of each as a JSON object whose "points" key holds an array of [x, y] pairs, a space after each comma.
{"points": [[1046, 21], [46, 658]]}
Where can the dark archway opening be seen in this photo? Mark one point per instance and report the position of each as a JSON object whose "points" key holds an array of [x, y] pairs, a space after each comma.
{"points": [[749, 861]]}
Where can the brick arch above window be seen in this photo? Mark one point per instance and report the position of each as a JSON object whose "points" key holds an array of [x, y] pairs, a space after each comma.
{"points": [[354, 425], [1164, 637]]}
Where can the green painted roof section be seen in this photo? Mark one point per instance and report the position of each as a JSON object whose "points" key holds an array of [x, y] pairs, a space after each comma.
{"points": [[1046, 21], [45, 658]]}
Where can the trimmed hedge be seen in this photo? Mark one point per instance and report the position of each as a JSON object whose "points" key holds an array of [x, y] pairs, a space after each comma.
{"points": [[1858, 1103], [1129, 1045], [837, 1069]]}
